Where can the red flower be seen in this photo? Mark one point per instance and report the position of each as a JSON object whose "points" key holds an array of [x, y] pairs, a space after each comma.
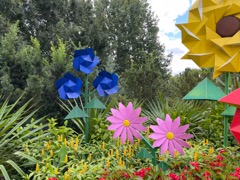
{"points": [[238, 169], [206, 175], [125, 175], [173, 176], [53, 178], [196, 165], [220, 158]]}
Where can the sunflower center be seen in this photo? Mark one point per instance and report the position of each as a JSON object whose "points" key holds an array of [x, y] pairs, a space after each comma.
{"points": [[169, 135], [126, 123]]}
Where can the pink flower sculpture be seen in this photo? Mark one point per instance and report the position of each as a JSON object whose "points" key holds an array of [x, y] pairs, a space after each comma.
{"points": [[168, 135], [126, 122]]}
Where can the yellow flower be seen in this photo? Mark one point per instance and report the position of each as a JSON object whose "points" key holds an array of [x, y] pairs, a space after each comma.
{"points": [[66, 159], [139, 141], [195, 157], [120, 162], [124, 151], [90, 157], [211, 150], [108, 163], [37, 167], [75, 148], [84, 167], [47, 165], [26, 150], [51, 152], [206, 142], [47, 146], [56, 171], [117, 155], [136, 145], [175, 153], [129, 149], [71, 142], [103, 145], [65, 141], [66, 176], [59, 138], [42, 152], [77, 141]]}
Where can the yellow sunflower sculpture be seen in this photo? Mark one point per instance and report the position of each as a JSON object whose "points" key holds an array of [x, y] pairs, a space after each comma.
{"points": [[212, 35]]}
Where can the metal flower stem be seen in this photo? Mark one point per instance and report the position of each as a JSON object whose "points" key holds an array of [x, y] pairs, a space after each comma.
{"points": [[153, 151], [86, 110], [225, 142]]}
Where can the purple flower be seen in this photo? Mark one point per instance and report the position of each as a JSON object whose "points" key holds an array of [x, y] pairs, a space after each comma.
{"points": [[85, 60], [69, 86], [106, 83]]}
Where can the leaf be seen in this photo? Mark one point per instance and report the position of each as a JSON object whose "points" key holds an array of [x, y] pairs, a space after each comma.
{"points": [[4, 172], [16, 167], [23, 155]]}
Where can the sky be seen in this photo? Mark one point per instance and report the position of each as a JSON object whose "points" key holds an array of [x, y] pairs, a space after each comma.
{"points": [[170, 13]]}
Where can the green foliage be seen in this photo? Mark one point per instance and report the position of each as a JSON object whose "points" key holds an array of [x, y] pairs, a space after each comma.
{"points": [[16, 126], [65, 155], [182, 83], [146, 79]]}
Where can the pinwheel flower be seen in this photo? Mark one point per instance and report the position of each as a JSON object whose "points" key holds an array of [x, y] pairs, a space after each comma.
{"points": [[85, 60], [126, 122], [168, 135], [106, 83], [69, 86]]}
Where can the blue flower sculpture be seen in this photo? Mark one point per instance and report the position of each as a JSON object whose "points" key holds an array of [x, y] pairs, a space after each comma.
{"points": [[69, 86], [106, 83], [85, 60]]}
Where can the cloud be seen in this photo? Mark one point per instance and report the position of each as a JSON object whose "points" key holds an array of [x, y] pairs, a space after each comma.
{"points": [[168, 12]]}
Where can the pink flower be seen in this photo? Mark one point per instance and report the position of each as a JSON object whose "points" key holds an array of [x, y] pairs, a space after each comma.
{"points": [[126, 122], [169, 134]]}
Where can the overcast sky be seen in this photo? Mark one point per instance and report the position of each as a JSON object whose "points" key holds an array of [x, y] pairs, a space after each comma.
{"points": [[169, 13]]}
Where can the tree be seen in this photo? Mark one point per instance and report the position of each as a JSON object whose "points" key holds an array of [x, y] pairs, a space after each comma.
{"points": [[144, 81], [130, 28], [182, 83]]}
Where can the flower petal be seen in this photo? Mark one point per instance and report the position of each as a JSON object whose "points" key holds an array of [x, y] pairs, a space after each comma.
{"points": [[156, 136], [117, 114], [130, 106], [164, 147], [171, 148], [183, 136], [156, 129], [178, 147], [181, 129], [175, 124], [182, 143], [130, 137], [139, 120], [122, 110], [135, 133], [114, 126], [159, 142], [168, 122], [118, 132], [138, 127], [135, 113], [124, 135], [114, 119], [161, 125]]}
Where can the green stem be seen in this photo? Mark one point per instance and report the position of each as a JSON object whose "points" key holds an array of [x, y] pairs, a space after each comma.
{"points": [[153, 151], [225, 142], [86, 110]]}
